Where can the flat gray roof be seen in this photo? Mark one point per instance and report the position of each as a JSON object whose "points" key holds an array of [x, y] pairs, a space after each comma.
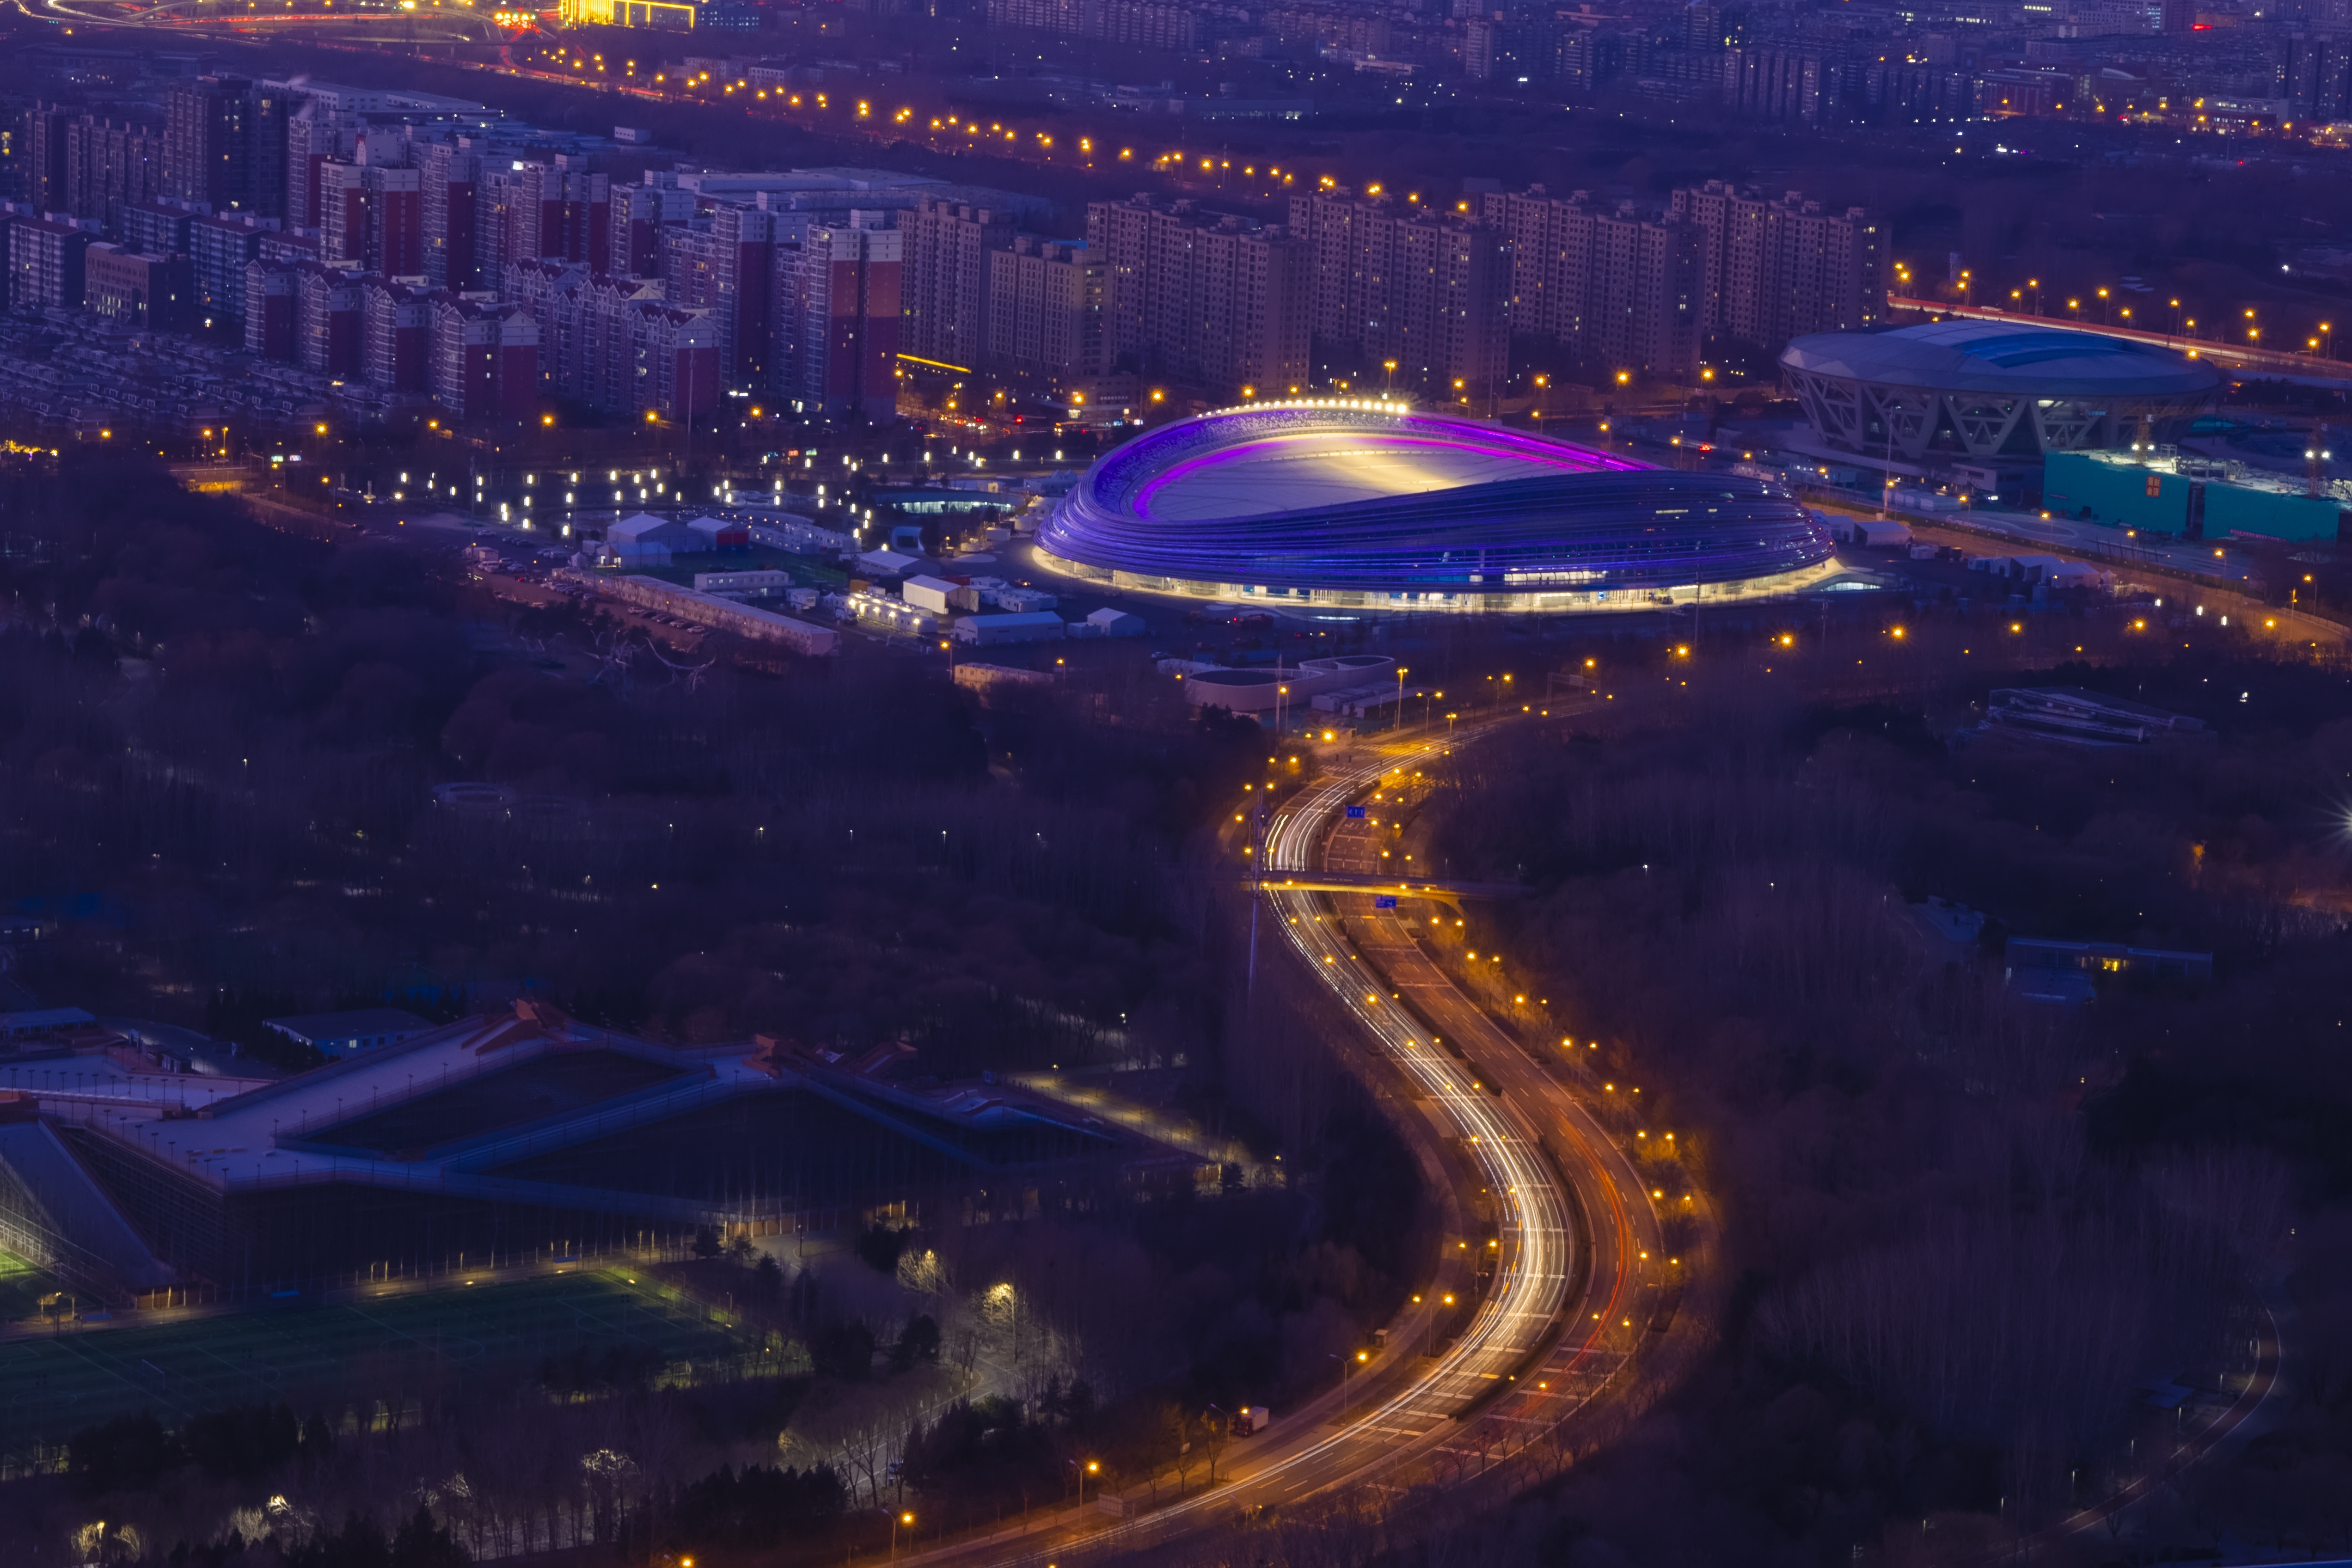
{"points": [[310, 1026]]}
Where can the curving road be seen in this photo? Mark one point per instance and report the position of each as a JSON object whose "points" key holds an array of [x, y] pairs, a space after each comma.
{"points": [[1575, 1282]]}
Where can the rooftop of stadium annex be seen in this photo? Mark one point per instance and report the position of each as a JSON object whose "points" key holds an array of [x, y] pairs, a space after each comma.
{"points": [[1369, 503]]}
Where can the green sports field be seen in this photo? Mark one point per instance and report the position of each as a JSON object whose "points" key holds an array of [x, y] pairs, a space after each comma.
{"points": [[390, 1348]]}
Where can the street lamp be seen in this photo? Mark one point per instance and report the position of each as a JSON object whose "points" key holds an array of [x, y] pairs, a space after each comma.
{"points": [[1361, 1358], [1401, 672], [895, 1520]]}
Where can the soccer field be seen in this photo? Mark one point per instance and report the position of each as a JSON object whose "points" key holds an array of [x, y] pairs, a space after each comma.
{"points": [[393, 1347]]}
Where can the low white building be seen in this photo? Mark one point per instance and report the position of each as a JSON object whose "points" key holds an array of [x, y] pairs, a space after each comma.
{"points": [[645, 539], [938, 595], [710, 610], [983, 631], [719, 533], [887, 563]]}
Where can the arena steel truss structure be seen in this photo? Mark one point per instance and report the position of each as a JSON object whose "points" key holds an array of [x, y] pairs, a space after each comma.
{"points": [[1367, 503], [1990, 388]]}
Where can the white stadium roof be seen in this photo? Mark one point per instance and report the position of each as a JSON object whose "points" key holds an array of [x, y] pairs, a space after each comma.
{"points": [[2002, 358]]}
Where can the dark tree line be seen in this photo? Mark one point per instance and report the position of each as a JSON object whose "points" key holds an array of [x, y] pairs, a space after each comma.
{"points": [[1966, 1231]]}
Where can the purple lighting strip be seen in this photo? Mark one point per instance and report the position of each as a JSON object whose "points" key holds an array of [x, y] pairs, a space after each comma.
{"points": [[1482, 441]]}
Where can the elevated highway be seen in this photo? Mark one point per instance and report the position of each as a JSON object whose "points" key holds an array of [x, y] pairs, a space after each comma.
{"points": [[2239, 359], [1577, 1281]]}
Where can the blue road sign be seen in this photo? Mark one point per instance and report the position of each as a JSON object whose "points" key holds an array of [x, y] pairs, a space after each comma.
{"points": [[1356, 811]]}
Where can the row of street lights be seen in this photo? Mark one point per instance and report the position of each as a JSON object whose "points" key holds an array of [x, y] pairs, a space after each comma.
{"points": [[2028, 300]]}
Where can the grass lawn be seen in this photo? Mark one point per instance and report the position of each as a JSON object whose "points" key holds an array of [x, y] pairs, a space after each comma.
{"points": [[391, 1347]]}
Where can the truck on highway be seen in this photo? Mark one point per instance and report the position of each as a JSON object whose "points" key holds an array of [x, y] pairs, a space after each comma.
{"points": [[1252, 1419]]}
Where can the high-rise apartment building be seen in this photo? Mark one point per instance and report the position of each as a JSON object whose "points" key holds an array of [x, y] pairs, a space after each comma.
{"points": [[221, 245], [162, 225], [723, 267], [1551, 260], [270, 309], [836, 318], [1214, 301], [1046, 312], [549, 210], [448, 176], [326, 319], [584, 325], [314, 138], [87, 164], [947, 252], [484, 361], [341, 212], [1400, 286], [1642, 311], [1142, 24], [45, 263], [1778, 268], [396, 243], [110, 164], [224, 142], [641, 215], [42, 166], [615, 344], [1609, 283], [372, 217], [395, 335]]}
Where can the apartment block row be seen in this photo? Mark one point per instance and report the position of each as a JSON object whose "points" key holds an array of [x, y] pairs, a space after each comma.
{"points": [[284, 214], [476, 357], [1417, 298], [1642, 291]]}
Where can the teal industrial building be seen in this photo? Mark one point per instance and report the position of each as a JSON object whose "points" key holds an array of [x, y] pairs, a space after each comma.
{"points": [[2188, 498]]}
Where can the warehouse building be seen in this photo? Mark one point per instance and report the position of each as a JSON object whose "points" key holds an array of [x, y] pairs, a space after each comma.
{"points": [[2159, 490]]}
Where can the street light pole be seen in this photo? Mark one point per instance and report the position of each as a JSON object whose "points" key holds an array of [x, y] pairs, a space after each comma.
{"points": [[895, 1520]]}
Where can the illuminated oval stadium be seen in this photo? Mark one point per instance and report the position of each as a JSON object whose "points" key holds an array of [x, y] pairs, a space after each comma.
{"points": [[1374, 505]]}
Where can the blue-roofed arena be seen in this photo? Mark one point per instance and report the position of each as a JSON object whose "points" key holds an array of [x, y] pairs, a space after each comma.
{"points": [[1370, 504], [1991, 389]]}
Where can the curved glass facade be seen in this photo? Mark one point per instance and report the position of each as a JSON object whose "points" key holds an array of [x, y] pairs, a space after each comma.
{"points": [[1361, 503]]}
